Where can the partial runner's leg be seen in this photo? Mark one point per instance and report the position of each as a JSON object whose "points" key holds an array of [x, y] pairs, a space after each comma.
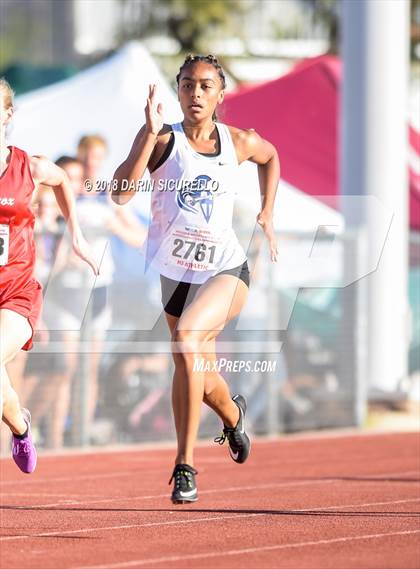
{"points": [[15, 331], [216, 391], [216, 303]]}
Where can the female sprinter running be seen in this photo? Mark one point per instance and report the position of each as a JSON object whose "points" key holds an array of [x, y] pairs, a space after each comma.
{"points": [[20, 292], [204, 272]]}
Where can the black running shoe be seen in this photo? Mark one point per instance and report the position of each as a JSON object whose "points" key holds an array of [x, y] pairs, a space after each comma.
{"points": [[239, 443], [185, 489]]}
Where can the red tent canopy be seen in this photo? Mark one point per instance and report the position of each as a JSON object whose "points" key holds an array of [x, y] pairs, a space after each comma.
{"points": [[298, 113]]}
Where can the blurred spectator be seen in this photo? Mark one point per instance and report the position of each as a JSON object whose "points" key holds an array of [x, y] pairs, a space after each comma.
{"points": [[48, 376], [45, 373], [73, 289], [137, 397]]}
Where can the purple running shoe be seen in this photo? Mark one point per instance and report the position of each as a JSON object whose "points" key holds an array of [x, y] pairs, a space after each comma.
{"points": [[23, 450]]}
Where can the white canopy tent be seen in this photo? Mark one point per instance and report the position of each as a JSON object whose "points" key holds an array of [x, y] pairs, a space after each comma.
{"points": [[106, 99]]}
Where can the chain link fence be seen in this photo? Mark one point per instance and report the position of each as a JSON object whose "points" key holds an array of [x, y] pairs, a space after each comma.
{"points": [[101, 370]]}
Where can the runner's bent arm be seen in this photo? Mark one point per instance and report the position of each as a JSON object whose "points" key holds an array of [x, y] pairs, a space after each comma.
{"points": [[133, 168], [250, 146]]}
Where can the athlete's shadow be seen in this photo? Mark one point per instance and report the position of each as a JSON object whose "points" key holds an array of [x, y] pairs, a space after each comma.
{"points": [[355, 479], [189, 509]]}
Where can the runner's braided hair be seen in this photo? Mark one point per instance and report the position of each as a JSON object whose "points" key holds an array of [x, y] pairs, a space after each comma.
{"points": [[211, 60]]}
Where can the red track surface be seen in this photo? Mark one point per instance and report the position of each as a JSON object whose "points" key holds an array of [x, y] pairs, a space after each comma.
{"points": [[340, 502]]}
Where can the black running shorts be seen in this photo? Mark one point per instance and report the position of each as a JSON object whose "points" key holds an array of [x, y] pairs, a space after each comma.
{"points": [[177, 295]]}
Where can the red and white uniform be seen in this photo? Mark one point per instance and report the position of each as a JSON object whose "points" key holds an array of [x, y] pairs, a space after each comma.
{"points": [[19, 290]]}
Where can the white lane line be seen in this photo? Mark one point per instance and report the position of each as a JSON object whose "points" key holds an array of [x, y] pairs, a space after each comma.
{"points": [[365, 505], [30, 494], [67, 478], [248, 550], [128, 526], [158, 496], [219, 490], [287, 511], [366, 477]]}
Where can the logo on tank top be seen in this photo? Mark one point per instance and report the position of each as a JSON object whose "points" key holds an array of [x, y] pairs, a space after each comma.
{"points": [[197, 196], [7, 201]]}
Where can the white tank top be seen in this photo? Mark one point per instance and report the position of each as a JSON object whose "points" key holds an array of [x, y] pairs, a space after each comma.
{"points": [[190, 236]]}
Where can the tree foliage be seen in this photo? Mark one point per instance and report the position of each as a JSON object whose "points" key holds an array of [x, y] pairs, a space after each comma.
{"points": [[189, 21]]}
